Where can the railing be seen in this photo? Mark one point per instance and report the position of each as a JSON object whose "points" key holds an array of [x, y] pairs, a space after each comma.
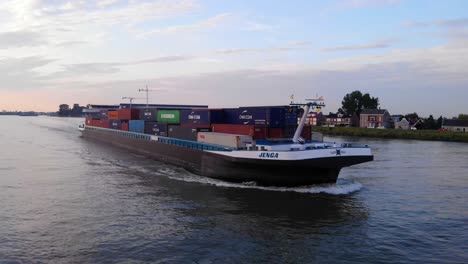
{"points": [[165, 140]]}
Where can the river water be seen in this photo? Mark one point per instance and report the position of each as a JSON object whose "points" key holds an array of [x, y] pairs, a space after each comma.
{"points": [[64, 199]]}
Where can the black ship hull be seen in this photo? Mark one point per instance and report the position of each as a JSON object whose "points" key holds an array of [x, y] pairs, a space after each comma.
{"points": [[234, 169]]}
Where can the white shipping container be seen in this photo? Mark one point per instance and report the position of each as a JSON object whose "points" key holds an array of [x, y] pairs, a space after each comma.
{"points": [[229, 140]]}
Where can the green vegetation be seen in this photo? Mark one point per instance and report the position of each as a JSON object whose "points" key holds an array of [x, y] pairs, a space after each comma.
{"points": [[354, 102], [394, 133]]}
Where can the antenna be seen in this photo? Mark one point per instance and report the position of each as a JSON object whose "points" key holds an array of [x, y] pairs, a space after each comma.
{"points": [[147, 91], [130, 99]]}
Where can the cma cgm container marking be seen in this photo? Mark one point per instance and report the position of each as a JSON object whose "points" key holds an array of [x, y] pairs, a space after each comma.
{"points": [[155, 128], [169, 116], [137, 126], [149, 114], [115, 124], [185, 132], [113, 115], [233, 129], [128, 113], [201, 116], [261, 116]]}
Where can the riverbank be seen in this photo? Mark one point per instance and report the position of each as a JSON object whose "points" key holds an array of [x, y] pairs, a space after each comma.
{"points": [[432, 135]]}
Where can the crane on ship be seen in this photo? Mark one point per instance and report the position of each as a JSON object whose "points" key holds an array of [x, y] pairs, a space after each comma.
{"points": [[311, 104], [131, 99]]}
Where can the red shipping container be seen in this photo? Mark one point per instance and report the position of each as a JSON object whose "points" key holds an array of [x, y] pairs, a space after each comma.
{"points": [[129, 114], [89, 121], [101, 123], [124, 126], [233, 129], [112, 115], [275, 133], [306, 133], [260, 133]]}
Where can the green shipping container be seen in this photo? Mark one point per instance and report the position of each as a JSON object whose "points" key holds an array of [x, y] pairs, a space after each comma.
{"points": [[169, 116]]}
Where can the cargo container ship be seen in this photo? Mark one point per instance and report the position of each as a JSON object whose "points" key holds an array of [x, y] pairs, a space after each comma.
{"points": [[265, 145]]}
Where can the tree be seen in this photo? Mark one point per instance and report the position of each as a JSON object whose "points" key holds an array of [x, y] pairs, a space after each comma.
{"points": [[430, 123], [439, 122], [354, 102], [463, 116]]}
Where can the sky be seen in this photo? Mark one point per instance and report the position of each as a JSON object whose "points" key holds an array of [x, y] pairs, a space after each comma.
{"points": [[412, 55]]}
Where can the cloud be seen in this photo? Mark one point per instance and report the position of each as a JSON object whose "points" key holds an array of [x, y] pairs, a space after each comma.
{"points": [[209, 23], [293, 45], [375, 45], [366, 3], [448, 23], [20, 39], [257, 27], [21, 73]]}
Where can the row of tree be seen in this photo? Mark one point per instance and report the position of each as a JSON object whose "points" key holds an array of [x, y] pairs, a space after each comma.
{"points": [[354, 102]]}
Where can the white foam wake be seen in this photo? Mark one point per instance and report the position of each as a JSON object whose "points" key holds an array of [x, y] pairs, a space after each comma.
{"points": [[343, 186]]}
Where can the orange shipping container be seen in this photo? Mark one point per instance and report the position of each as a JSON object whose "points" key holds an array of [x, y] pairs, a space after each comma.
{"points": [[112, 115]]}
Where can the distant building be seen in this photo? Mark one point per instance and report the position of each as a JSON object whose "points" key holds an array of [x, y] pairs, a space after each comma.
{"points": [[339, 119], [402, 124], [315, 119], [397, 118], [64, 110], [375, 118], [455, 125]]}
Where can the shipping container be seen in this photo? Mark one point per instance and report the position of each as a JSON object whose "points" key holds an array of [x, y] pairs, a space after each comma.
{"points": [[230, 115], [89, 121], [104, 123], [233, 129], [149, 114], [185, 132], [128, 114], [258, 116], [155, 128], [229, 140], [115, 124], [260, 133], [124, 126], [275, 132], [306, 132], [112, 115], [169, 116], [201, 116], [137, 126]]}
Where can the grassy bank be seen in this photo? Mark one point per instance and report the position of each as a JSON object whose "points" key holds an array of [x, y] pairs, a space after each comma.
{"points": [[394, 133]]}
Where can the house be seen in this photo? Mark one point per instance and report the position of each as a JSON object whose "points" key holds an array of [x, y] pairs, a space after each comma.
{"points": [[315, 119], [402, 124], [455, 125], [340, 119], [397, 118], [375, 118]]}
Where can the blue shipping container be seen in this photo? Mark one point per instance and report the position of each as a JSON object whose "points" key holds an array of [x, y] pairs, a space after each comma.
{"points": [[155, 128], [149, 114], [261, 116], [137, 126], [231, 115], [201, 117]]}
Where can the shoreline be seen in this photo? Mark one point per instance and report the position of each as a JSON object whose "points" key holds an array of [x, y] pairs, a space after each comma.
{"points": [[429, 135]]}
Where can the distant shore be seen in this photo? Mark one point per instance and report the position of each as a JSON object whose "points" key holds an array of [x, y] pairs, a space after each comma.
{"points": [[433, 135]]}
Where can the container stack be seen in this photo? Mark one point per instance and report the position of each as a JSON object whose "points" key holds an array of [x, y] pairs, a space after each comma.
{"points": [[259, 123]]}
